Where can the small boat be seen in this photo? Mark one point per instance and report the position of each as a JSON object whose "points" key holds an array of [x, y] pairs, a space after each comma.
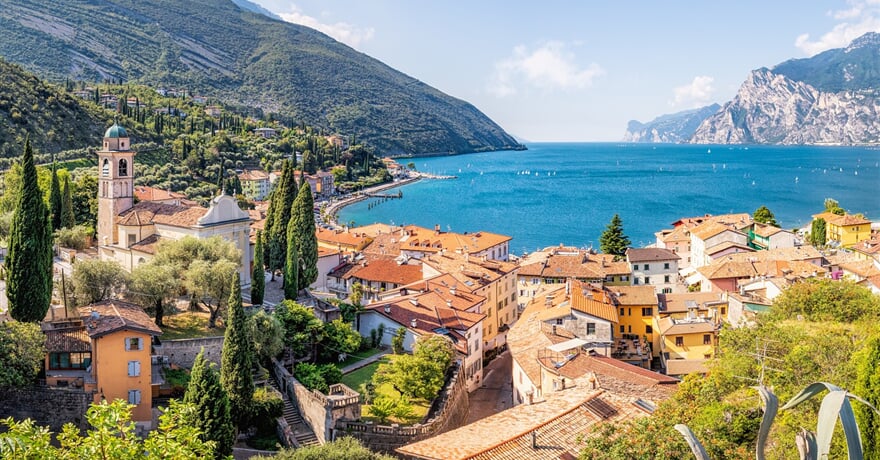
{"points": [[708, 150]]}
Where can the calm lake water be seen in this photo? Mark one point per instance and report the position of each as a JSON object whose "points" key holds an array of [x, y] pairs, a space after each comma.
{"points": [[567, 192]]}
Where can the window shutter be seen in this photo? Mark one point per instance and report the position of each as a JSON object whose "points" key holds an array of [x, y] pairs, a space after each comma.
{"points": [[127, 344], [134, 368]]}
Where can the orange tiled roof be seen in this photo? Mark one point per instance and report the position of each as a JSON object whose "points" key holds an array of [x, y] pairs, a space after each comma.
{"points": [[677, 303], [634, 295], [424, 312], [73, 339], [670, 326], [725, 245], [678, 234], [686, 366], [148, 213], [147, 245], [710, 229], [767, 230], [870, 246], [146, 193], [116, 315], [842, 221], [381, 269], [253, 175], [354, 240], [593, 302], [739, 220]]}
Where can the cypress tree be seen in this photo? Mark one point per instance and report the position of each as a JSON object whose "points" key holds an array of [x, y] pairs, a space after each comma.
{"points": [[285, 196], [236, 368], [613, 241], [29, 265], [868, 387], [55, 200], [68, 217], [291, 265], [258, 277], [212, 414], [303, 222], [817, 233]]}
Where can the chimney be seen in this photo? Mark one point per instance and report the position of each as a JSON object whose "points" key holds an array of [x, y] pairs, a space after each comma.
{"points": [[413, 323], [452, 290], [437, 229], [449, 303], [387, 308]]}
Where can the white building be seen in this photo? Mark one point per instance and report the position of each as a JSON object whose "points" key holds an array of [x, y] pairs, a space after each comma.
{"points": [[655, 267], [128, 233]]}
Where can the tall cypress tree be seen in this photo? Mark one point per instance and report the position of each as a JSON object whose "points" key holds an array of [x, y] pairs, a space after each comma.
{"points": [[29, 265], [267, 230], [68, 217], [285, 197], [303, 222], [212, 414], [55, 200], [613, 241], [236, 365], [258, 277], [291, 265]]}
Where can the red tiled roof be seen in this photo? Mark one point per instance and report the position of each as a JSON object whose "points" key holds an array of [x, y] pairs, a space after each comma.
{"points": [[74, 339], [115, 315], [146, 193], [147, 245], [149, 212], [650, 254]]}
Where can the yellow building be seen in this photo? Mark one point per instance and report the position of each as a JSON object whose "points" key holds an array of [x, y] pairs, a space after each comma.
{"points": [[687, 329], [106, 351], [636, 308], [846, 230]]}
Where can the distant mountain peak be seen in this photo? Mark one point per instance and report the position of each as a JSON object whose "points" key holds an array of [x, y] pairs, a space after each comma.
{"points": [[254, 8], [671, 128], [870, 39]]}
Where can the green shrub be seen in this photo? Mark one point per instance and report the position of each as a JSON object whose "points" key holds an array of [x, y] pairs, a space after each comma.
{"points": [[310, 376], [77, 237], [267, 406]]}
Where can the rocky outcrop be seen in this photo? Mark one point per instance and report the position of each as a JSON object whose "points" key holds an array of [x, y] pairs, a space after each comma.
{"points": [[773, 109], [673, 128]]}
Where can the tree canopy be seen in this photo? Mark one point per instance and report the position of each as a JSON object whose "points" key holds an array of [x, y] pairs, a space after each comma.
{"points": [[236, 367], [423, 373], [764, 216], [345, 448], [302, 329], [827, 300], [22, 350], [95, 280], [613, 240], [29, 263], [211, 413]]}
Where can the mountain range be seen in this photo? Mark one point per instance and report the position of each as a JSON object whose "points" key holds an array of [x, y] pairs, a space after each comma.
{"points": [[235, 53], [831, 98]]}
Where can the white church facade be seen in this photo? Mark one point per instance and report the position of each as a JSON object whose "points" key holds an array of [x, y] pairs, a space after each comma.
{"points": [[129, 232]]}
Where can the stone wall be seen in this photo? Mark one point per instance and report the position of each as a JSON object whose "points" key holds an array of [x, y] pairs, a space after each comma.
{"points": [[449, 411], [52, 407], [320, 412], [183, 352]]}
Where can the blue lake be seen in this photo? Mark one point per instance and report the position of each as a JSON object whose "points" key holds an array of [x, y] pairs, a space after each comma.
{"points": [[567, 192]]}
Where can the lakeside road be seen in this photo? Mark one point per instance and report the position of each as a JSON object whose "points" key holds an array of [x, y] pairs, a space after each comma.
{"points": [[334, 207]]}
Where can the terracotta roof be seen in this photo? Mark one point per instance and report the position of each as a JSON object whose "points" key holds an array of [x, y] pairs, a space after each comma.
{"points": [[870, 246], [650, 254], [599, 304], [686, 366], [572, 263], [381, 270], [374, 230], [604, 366], [677, 234], [145, 193], [253, 175], [148, 213], [861, 268], [725, 245], [353, 240], [73, 339], [845, 220], [727, 268], [559, 424], [445, 290], [423, 314], [677, 303], [116, 315], [634, 295], [767, 230], [147, 245], [710, 229], [739, 220], [670, 326]]}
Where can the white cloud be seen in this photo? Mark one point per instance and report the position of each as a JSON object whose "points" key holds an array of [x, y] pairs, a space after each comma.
{"points": [[697, 93], [550, 66], [344, 32], [861, 17]]}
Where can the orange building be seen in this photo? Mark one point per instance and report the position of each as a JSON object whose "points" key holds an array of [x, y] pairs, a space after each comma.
{"points": [[105, 351]]}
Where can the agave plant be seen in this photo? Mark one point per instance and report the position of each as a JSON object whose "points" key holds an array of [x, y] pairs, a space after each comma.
{"points": [[810, 445]]}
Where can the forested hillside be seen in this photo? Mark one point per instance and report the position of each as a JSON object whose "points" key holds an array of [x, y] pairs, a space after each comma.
{"points": [[223, 51]]}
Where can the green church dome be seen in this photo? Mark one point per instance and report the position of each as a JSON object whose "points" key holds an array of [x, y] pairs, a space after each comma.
{"points": [[115, 131]]}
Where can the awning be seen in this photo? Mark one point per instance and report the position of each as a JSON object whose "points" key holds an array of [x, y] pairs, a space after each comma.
{"points": [[567, 345], [693, 279]]}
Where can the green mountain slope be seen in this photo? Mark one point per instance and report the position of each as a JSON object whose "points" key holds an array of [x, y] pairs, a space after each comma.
{"points": [[53, 119], [856, 67], [215, 48]]}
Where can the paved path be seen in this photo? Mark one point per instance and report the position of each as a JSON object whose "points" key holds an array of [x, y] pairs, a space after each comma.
{"points": [[496, 392], [364, 362]]}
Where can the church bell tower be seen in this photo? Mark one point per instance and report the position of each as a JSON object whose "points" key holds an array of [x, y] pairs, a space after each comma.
{"points": [[115, 182]]}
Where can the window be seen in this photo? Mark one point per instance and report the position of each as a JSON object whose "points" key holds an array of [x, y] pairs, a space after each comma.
{"points": [[647, 280], [707, 339], [666, 266], [647, 267], [559, 321], [133, 343], [621, 311], [123, 168], [635, 267], [61, 361], [131, 239], [629, 329], [134, 368], [649, 329], [622, 328], [629, 312], [134, 397], [723, 310], [105, 168], [667, 290], [591, 328], [635, 281], [666, 278], [679, 341], [647, 311]]}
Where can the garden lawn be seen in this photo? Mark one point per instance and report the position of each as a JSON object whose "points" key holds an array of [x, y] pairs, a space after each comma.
{"points": [[359, 355], [188, 325], [420, 406], [354, 379]]}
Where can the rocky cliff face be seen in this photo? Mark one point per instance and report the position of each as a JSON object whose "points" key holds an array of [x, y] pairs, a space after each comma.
{"points": [[773, 109], [674, 128]]}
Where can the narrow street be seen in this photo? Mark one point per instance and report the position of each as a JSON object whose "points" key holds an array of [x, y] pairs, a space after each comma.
{"points": [[496, 392]]}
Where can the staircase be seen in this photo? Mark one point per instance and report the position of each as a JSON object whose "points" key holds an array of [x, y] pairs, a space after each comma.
{"points": [[301, 432]]}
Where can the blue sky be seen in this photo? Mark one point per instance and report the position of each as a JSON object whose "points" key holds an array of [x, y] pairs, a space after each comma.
{"points": [[580, 70]]}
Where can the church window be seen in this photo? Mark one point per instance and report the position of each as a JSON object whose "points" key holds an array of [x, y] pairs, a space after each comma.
{"points": [[123, 168], [105, 168]]}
